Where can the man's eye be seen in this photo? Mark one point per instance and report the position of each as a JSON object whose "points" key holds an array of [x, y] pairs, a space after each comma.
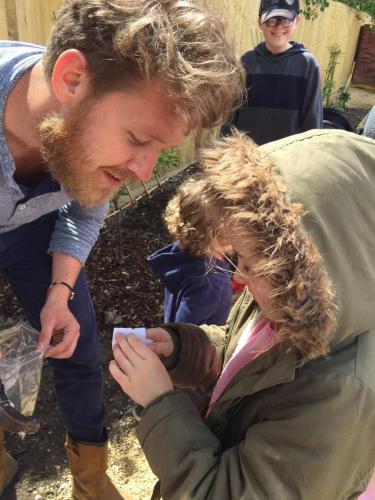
{"points": [[136, 141]]}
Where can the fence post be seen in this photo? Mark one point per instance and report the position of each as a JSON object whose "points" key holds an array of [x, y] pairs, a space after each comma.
{"points": [[3, 21]]}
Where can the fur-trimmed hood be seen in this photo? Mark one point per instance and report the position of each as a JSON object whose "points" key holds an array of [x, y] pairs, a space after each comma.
{"points": [[332, 174], [306, 202]]}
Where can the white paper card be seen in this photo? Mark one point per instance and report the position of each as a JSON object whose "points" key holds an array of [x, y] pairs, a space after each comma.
{"points": [[138, 332]]}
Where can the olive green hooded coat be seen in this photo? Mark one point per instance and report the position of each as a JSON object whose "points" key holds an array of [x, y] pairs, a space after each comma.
{"points": [[283, 429]]}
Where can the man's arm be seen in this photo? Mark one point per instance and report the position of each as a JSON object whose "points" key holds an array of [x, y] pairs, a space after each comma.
{"points": [[75, 233], [55, 315]]}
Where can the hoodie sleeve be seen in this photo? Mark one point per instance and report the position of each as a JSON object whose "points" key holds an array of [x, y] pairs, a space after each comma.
{"points": [[312, 107], [200, 355], [233, 120]]}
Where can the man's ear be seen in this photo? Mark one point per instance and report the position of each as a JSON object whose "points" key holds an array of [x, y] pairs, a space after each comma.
{"points": [[70, 77], [296, 22]]}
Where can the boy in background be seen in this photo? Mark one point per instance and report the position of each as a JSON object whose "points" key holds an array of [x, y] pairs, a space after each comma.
{"points": [[283, 80], [197, 288]]}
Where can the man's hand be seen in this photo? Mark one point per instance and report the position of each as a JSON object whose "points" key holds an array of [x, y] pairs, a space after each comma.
{"points": [[60, 330], [138, 370], [162, 342]]}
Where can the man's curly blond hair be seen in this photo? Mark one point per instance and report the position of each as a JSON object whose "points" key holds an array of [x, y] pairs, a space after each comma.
{"points": [[178, 41], [247, 201]]}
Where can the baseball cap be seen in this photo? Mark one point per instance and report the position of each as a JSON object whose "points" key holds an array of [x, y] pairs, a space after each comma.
{"points": [[273, 8]]}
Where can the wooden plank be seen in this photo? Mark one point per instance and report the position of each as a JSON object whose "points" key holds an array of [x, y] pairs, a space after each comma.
{"points": [[3, 21], [35, 19], [8, 20], [12, 19]]}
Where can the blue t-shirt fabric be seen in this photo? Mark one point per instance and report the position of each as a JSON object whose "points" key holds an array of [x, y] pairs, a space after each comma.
{"points": [[77, 227]]}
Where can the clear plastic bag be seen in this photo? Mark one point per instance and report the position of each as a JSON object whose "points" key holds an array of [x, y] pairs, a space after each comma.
{"points": [[20, 366]]}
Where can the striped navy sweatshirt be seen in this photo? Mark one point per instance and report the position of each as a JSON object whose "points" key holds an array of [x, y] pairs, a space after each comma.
{"points": [[283, 94]]}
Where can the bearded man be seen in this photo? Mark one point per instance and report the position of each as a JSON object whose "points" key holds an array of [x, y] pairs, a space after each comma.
{"points": [[118, 82]]}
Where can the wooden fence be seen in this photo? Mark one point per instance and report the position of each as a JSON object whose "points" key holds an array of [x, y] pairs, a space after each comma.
{"points": [[30, 20]]}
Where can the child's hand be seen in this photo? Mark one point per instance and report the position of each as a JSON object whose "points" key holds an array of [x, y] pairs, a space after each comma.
{"points": [[162, 342], [138, 370]]}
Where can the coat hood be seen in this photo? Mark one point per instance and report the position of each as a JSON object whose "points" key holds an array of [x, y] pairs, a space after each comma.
{"points": [[332, 174], [305, 205]]}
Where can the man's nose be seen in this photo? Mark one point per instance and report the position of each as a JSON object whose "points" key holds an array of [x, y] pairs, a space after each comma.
{"points": [[143, 166]]}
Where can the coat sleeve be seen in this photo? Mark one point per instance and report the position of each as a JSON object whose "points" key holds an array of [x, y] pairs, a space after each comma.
{"points": [[199, 350], [198, 361], [312, 108], [297, 449]]}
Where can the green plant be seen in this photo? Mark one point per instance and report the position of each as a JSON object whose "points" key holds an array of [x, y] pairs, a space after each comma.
{"points": [[313, 7], [331, 98], [329, 82], [170, 157], [342, 97]]}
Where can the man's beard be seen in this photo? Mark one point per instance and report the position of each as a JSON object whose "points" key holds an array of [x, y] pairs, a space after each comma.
{"points": [[66, 154]]}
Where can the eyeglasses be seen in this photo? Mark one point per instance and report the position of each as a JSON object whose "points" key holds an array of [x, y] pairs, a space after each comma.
{"points": [[275, 21]]}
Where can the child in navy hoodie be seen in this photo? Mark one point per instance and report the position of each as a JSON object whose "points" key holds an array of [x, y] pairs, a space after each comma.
{"points": [[282, 80], [197, 288]]}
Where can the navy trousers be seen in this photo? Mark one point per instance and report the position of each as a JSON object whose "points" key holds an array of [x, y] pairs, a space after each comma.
{"points": [[79, 380]]}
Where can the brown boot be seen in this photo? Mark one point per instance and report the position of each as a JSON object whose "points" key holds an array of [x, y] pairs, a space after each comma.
{"points": [[8, 466], [88, 464]]}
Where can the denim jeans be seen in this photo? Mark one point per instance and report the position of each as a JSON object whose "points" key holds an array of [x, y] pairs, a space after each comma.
{"points": [[25, 263]]}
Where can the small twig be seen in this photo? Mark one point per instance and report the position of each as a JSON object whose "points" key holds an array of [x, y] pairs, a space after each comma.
{"points": [[132, 199], [145, 188]]}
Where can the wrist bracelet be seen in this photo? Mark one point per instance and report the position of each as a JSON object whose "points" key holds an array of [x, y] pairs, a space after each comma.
{"points": [[71, 296]]}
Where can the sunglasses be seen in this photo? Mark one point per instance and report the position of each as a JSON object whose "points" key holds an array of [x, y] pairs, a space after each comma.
{"points": [[275, 21]]}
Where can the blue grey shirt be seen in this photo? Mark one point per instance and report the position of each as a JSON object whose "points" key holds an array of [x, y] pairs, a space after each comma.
{"points": [[369, 128], [77, 228]]}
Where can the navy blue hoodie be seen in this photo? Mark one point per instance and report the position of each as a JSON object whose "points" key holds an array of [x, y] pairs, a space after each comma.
{"points": [[195, 290], [283, 94]]}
